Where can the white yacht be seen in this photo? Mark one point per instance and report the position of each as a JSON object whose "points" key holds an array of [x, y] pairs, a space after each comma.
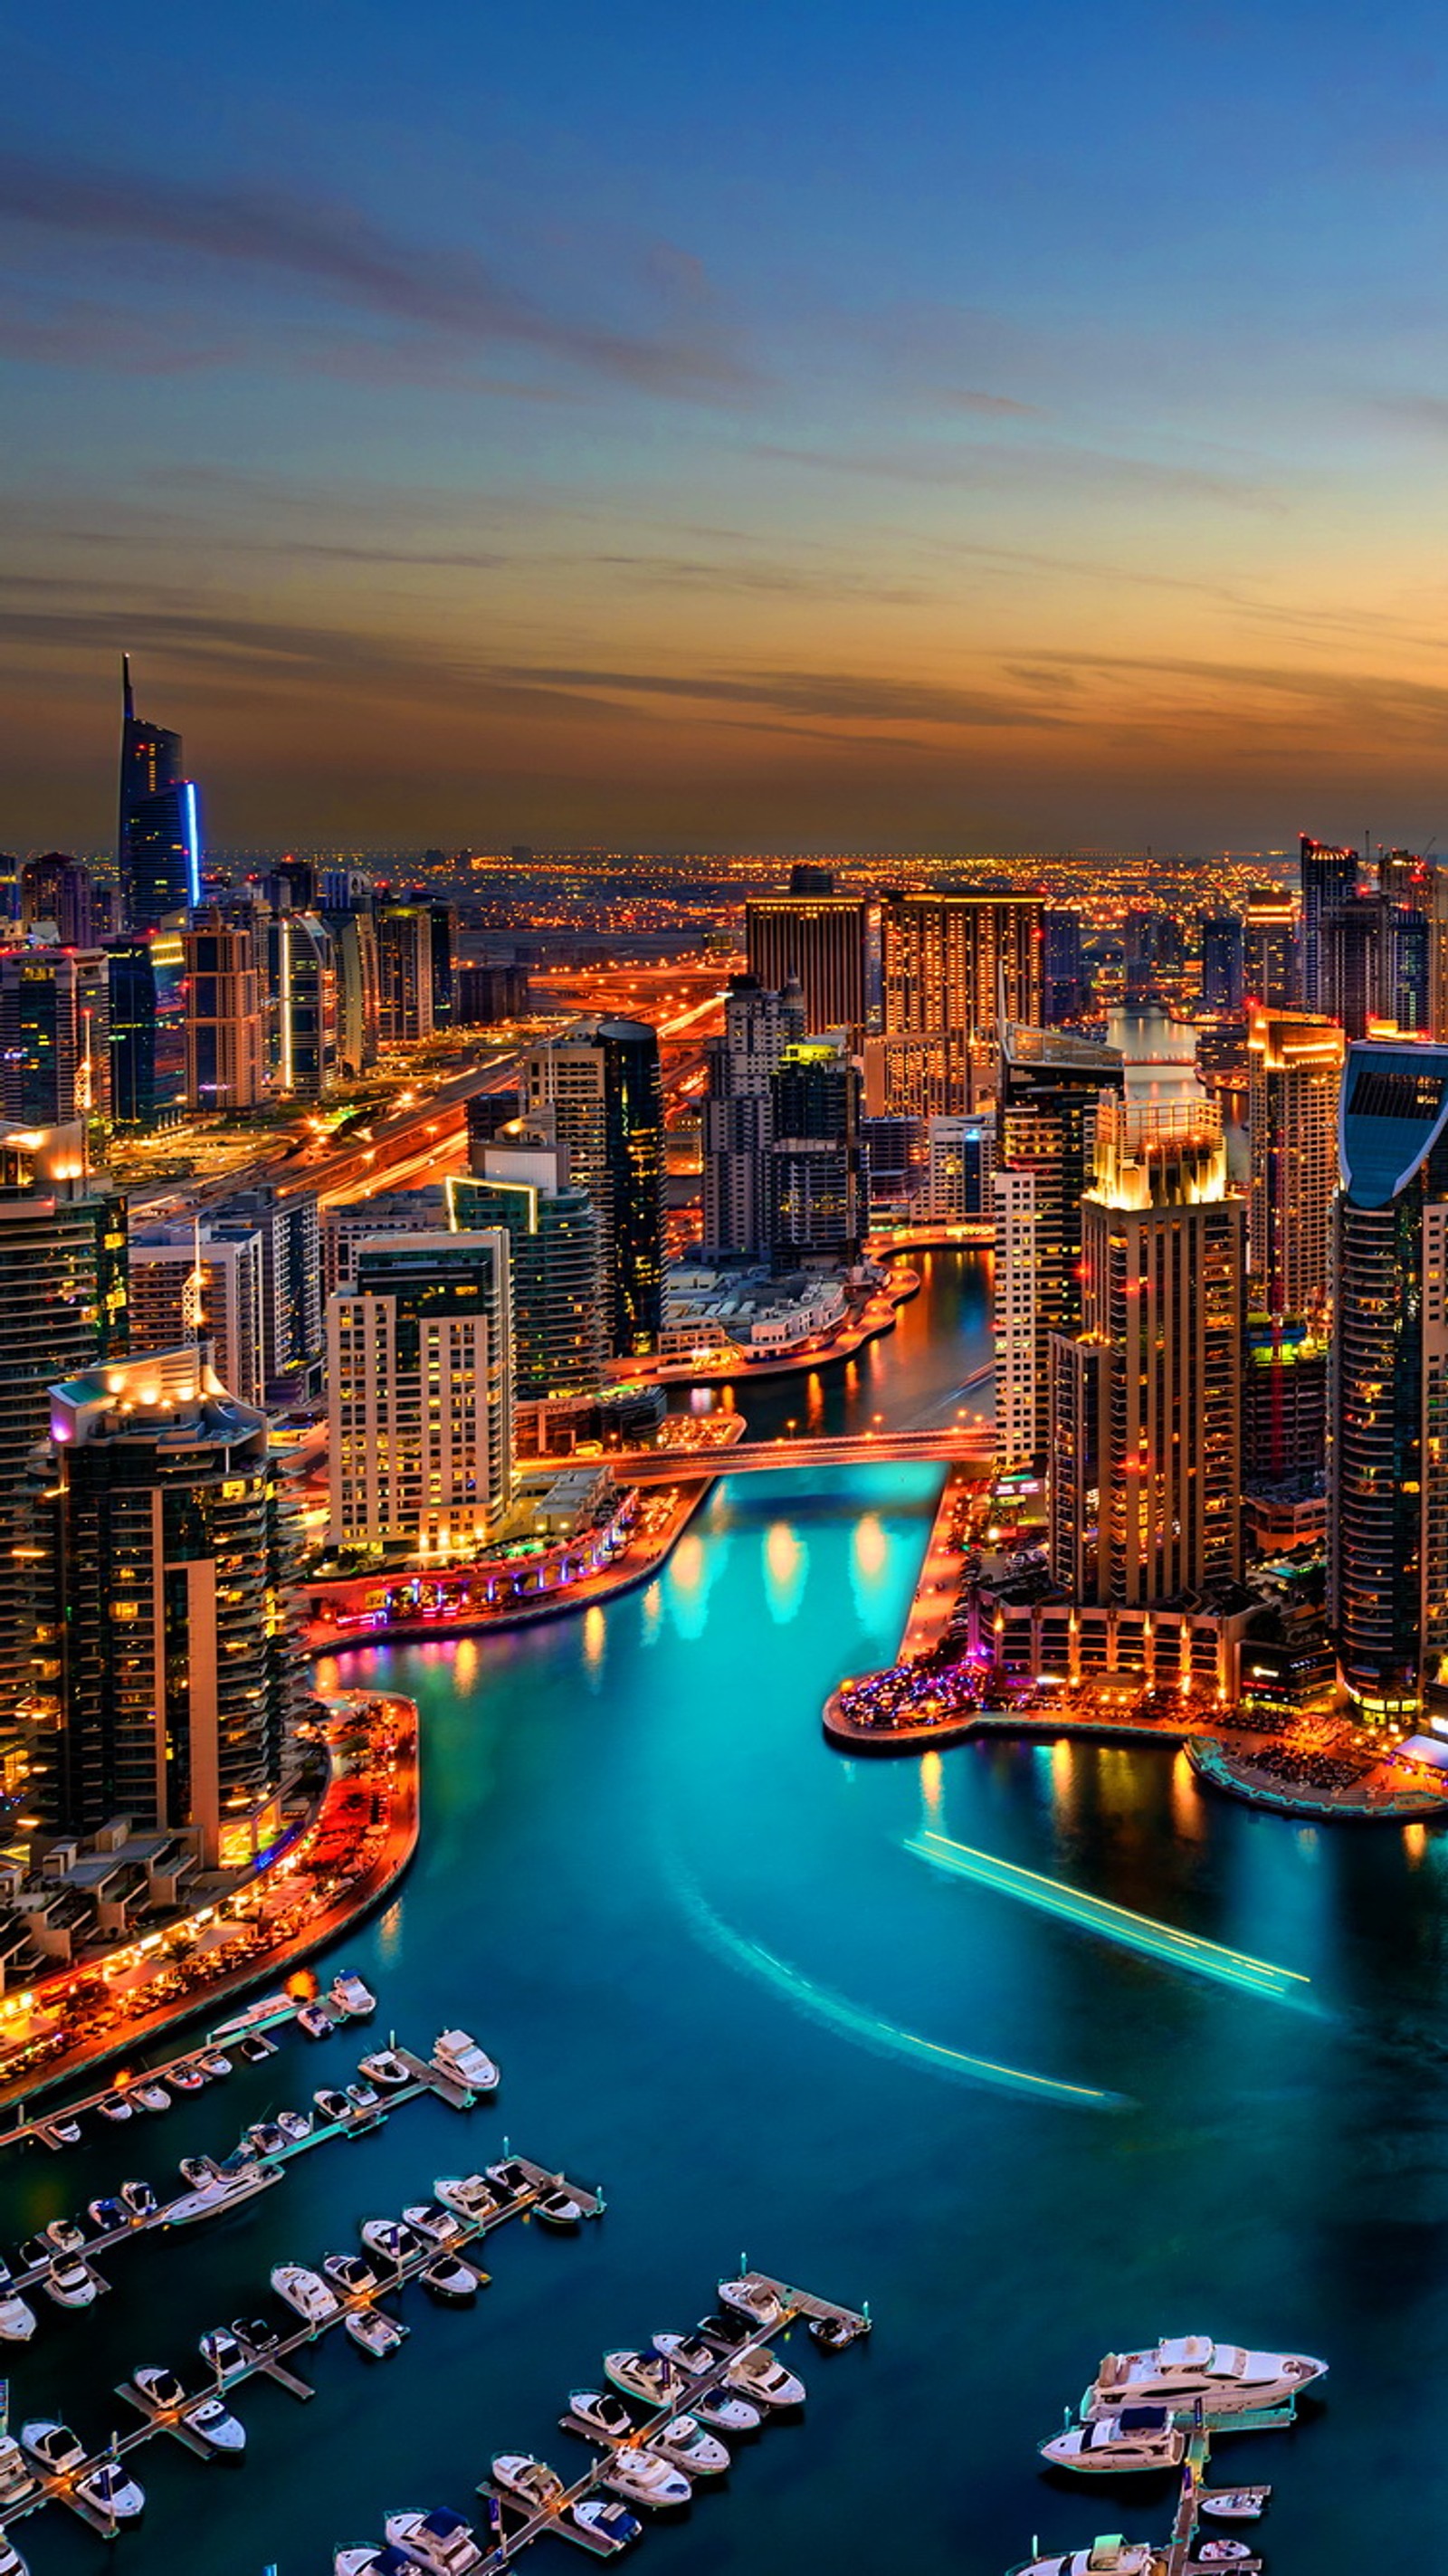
{"points": [[140, 2199], [685, 2445], [15, 2479], [11, 2562], [434, 2220], [17, 2318], [607, 2525], [531, 2481], [315, 2020], [350, 1996], [373, 2332], [395, 2243], [439, 2541], [65, 2236], [602, 2414], [457, 2054], [557, 2209], [645, 2375], [58, 2450], [386, 2068], [313, 2299], [114, 2107], [160, 2384], [332, 2105], [725, 2414], [471, 2195], [758, 2374], [1233, 2504], [351, 2273], [693, 2358], [223, 2191], [214, 2064], [110, 2487], [1140, 2437], [1226, 2377], [209, 2420], [1110, 2557], [69, 2283], [753, 2299], [450, 2278], [221, 2350], [1221, 2552], [151, 2097], [640, 2477], [294, 2126]]}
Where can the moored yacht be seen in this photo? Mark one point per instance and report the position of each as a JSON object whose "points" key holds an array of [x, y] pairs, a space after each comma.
{"points": [[332, 2104], [140, 2199], [386, 2068], [65, 2236], [1226, 2378], [294, 2126], [214, 2064], [350, 1996], [758, 2374], [471, 2195], [457, 2054], [160, 2384], [186, 2079], [725, 2414], [114, 2107], [17, 2318], [557, 2209], [440, 2541], [221, 2191], [1140, 2437], [69, 2283], [313, 2299], [220, 2348], [256, 2047], [641, 2477], [645, 2375], [607, 2525], [534, 2484], [395, 2243], [685, 2445], [694, 2358], [212, 2424], [373, 2332], [110, 2487], [58, 2450], [753, 2299], [11, 2562], [106, 2215], [315, 2021], [151, 2097], [1109, 2557], [351, 2273], [433, 2220], [603, 2414], [15, 2478], [450, 2278]]}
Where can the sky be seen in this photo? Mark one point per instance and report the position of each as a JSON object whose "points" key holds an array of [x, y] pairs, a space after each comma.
{"points": [[910, 426]]}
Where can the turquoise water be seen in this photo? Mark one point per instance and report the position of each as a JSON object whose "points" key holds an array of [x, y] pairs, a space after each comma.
{"points": [[719, 1983]]}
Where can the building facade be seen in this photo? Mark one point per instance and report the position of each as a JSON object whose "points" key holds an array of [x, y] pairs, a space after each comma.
{"points": [[1049, 1088], [419, 1386], [598, 1091], [1294, 1085], [738, 1113]]}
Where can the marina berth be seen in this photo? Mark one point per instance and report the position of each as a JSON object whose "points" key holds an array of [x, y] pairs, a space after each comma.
{"points": [[1226, 2378], [1140, 2437], [257, 2048]]}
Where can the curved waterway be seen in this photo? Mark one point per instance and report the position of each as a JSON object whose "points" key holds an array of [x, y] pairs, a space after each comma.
{"points": [[721, 1983]]}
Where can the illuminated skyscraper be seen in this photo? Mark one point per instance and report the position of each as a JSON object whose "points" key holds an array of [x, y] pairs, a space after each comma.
{"points": [[1269, 949], [404, 973], [182, 1291], [958, 962], [1328, 880], [1388, 1398], [560, 1346], [827, 944], [302, 1015], [54, 1035], [817, 1206], [224, 1057], [1145, 1466], [600, 1085], [1050, 1086], [420, 1393], [57, 891], [1294, 1084], [1223, 960], [738, 1112]]}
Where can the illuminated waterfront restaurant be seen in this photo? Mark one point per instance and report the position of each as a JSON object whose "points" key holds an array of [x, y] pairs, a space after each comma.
{"points": [[1388, 1452]]}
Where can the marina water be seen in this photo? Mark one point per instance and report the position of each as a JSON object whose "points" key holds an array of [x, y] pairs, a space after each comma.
{"points": [[720, 1984]]}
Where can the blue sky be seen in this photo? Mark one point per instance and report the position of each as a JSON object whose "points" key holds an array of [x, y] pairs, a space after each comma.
{"points": [[927, 428]]}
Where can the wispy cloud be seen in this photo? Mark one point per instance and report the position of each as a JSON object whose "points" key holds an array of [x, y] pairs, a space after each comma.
{"points": [[984, 465]]}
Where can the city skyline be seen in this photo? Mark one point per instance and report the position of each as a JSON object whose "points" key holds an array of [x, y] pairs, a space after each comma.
{"points": [[941, 433]]}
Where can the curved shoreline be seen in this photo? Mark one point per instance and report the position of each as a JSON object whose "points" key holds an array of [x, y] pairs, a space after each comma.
{"points": [[899, 1288]]}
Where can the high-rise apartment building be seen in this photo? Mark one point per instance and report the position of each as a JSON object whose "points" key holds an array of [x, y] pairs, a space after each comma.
{"points": [[1328, 879], [960, 1173], [560, 1345], [1223, 960], [224, 1053], [1388, 1388], [302, 1005], [359, 1001], [166, 1679], [1065, 988], [1049, 1089], [184, 1289], [58, 898], [420, 1402], [1355, 977], [404, 973], [738, 1113], [1270, 949], [347, 1224], [1145, 1465], [829, 945], [293, 1334], [961, 962], [1294, 1084], [55, 1050], [599, 1084], [817, 1209]]}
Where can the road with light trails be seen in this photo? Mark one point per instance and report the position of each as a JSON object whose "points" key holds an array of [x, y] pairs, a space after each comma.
{"points": [[1112, 1922]]}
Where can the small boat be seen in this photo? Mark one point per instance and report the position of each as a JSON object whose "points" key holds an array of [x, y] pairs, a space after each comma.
{"points": [[394, 2242], [642, 2478], [531, 2481], [457, 2054], [114, 2107], [471, 2195], [645, 2375], [313, 2299], [59, 2451], [725, 2414], [438, 2224], [113, 2491], [352, 2274], [161, 2385], [685, 2445], [836, 2334], [186, 2079], [69, 2283], [603, 2522], [1222, 2552], [386, 2068], [257, 2046], [332, 2104], [267, 2136], [364, 2097], [210, 2421], [107, 2215], [1140, 2437], [510, 2179], [34, 2254], [314, 2021], [374, 2333], [1233, 2504], [197, 2170], [65, 2131], [753, 2299], [352, 1997], [758, 2374], [220, 2349], [15, 2479], [17, 2318], [603, 2414], [557, 2209], [441, 2542], [1186, 2370], [11, 2562], [452, 2279], [369, 2560], [65, 2236], [726, 2330], [151, 2097], [1109, 2557], [257, 2333], [214, 2064], [693, 2357], [140, 2199], [221, 2191], [294, 2126]]}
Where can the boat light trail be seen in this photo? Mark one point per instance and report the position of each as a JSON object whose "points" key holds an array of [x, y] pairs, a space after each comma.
{"points": [[1112, 1922], [835, 2012]]}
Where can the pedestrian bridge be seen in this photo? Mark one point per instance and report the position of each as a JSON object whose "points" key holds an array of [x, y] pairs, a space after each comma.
{"points": [[944, 1447]]}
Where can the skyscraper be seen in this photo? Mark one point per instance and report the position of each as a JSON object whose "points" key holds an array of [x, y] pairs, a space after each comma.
{"points": [[420, 1400], [758, 1026], [293, 1333], [1355, 977], [1064, 984], [960, 963], [187, 1290], [827, 944], [1049, 1090], [560, 1346], [302, 995], [404, 973], [1269, 949], [1328, 879], [1388, 1388], [131, 989], [54, 1035], [599, 1082], [1145, 1465], [167, 1678], [62, 1306], [817, 1209], [57, 892], [1294, 1083], [224, 1057], [1223, 960]]}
